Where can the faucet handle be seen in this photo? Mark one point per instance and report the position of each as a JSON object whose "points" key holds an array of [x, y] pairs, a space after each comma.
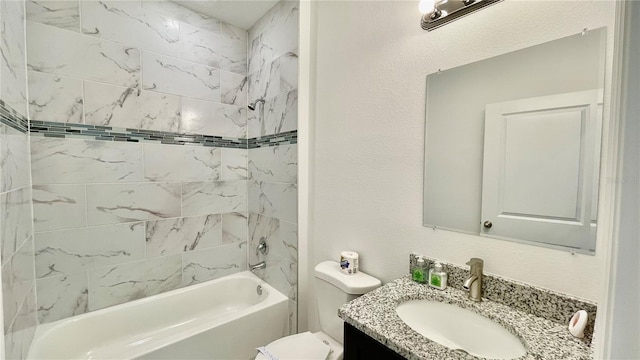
{"points": [[263, 247], [475, 262]]}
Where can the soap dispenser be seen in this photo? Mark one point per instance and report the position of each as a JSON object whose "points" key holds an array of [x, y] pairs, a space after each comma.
{"points": [[437, 277], [419, 273]]}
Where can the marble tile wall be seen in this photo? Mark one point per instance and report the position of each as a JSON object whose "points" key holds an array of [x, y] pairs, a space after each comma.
{"points": [[115, 221], [273, 190], [273, 209], [151, 65], [273, 70], [16, 225], [13, 87], [119, 220]]}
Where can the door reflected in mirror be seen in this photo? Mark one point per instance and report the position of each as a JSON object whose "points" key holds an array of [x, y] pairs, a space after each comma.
{"points": [[512, 144]]}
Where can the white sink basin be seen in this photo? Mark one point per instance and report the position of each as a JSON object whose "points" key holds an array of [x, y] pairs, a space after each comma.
{"points": [[460, 329]]}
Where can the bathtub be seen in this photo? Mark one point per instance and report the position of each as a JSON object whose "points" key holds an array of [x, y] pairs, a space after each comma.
{"points": [[224, 318]]}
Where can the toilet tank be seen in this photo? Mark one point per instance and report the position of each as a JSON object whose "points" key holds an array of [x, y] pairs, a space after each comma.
{"points": [[333, 289]]}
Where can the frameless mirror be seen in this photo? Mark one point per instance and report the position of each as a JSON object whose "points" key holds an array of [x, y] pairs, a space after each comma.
{"points": [[512, 144]]}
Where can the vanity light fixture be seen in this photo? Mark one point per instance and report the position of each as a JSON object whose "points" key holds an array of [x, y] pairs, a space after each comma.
{"points": [[436, 13]]}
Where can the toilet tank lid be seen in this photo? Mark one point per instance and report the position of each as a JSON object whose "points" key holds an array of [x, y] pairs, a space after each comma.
{"points": [[355, 284]]}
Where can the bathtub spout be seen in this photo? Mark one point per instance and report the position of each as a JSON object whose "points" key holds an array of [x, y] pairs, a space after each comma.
{"points": [[259, 266]]}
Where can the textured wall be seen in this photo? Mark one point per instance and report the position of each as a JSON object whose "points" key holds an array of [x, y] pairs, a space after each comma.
{"points": [[372, 61], [117, 217], [16, 229], [273, 171]]}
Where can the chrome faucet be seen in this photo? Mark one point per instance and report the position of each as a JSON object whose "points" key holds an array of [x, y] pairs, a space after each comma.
{"points": [[473, 284], [259, 266], [262, 248]]}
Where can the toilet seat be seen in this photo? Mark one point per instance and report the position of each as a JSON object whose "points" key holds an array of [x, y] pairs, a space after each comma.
{"points": [[289, 347]]}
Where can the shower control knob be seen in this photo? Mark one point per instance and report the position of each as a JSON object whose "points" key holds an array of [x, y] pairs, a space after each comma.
{"points": [[263, 247], [487, 224]]}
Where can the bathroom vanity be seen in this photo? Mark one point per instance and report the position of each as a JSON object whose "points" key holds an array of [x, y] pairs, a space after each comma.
{"points": [[360, 346], [537, 317]]}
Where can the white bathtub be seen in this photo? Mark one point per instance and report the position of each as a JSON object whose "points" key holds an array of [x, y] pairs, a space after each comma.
{"points": [[220, 319]]}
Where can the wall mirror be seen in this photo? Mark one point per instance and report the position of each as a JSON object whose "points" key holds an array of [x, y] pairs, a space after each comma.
{"points": [[512, 144]]}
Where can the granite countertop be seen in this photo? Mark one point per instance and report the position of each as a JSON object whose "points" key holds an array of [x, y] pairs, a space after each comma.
{"points": [[374, 314]]}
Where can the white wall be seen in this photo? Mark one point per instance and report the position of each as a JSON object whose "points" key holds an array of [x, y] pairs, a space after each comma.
{"points": [[306, 87], [623, 324], [367, 155]]}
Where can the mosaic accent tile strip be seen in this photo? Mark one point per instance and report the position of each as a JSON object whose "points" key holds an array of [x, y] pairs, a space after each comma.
{"points": [[12, 118], [540, 302], [289, 137], [109, 133]]}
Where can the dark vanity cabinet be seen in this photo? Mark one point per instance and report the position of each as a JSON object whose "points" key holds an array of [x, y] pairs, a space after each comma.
{"points": [[360, 346]]}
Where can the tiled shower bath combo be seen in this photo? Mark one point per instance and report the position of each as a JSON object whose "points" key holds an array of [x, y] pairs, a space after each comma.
{"points": [[148, 172]]}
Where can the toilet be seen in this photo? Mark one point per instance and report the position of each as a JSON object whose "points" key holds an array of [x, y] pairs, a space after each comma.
{"points": [[333, 289]]}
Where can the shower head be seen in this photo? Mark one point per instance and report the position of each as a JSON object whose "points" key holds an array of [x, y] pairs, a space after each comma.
{"points": [[254, 104]]}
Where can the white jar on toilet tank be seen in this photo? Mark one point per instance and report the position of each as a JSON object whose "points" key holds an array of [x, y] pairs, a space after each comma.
{"points": [[349, 262]]}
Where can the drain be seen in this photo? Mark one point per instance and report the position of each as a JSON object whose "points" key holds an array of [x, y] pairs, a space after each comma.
{"points": [[326, 342], [259, 290]]}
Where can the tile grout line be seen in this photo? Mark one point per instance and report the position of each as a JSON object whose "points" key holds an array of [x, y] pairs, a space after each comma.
{"points": [[86, 205], [30, 177]]}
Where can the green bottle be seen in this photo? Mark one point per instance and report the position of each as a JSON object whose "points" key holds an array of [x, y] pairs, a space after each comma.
{"points": [[438, 277], [419, 272]]}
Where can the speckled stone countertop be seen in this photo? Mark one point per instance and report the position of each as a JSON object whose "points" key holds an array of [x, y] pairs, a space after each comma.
{"points": [[375, 315]]}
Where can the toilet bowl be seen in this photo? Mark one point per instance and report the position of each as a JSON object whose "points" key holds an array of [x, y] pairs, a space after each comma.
{"points": [[290, 347], [333, 289]]}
